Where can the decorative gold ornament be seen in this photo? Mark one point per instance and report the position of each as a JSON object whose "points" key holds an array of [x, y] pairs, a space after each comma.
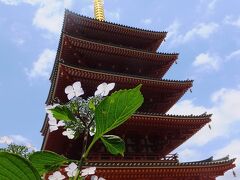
{"points": [[99, 10]]}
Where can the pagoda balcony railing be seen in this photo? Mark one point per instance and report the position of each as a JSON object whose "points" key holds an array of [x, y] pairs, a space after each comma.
{"points": [[158, 158]]}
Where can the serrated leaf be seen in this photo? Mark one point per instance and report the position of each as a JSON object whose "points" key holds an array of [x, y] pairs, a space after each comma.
{"points": [[114, 110], [62, 113], [15, 167], [114, 144], [45, 161]]}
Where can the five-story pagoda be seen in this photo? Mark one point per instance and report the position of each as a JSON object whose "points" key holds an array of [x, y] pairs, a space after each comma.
{"points": [[94, 51]]}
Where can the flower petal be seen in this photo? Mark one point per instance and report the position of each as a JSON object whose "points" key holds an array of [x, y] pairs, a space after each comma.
{"points": [[97, 92], [102, 86], [60, 123], [69, 89], [77, 85], [52, 122], [72, 166], [71, 95], [88, 171], [53, 128], [94, 177], [110, 86], [56, 176], [79, 92]]}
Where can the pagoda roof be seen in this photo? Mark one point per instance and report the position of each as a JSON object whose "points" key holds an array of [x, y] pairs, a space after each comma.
{"points": [[172, 130], [153, 170], [93, 53], [162, 120], [171, 90], [91, 28], [161, 164]]}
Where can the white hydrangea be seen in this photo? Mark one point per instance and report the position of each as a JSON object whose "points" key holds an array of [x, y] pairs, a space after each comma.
{"points": [[74, 91], [56, 176], [104, 89]]}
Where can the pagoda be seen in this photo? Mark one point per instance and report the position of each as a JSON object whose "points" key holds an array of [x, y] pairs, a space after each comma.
{"points": [[92, 50]]}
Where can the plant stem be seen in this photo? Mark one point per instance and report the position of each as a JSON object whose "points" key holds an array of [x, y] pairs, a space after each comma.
{"points": [[80, 163], [89, 147]]}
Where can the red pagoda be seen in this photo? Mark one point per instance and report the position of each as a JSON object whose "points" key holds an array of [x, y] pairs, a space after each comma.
{"points": [[94, 51]]}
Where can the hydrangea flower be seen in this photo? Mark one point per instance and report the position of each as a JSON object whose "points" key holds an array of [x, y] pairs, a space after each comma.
{"points": [[96, 178], [71, 170], [69, 133], [88, 171], [56, 176], [53, 124], [6, 140], [104, 89], [74, 91]]}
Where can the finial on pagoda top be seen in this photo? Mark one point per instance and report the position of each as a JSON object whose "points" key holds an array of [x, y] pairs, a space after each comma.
{"points": [[99, 10]]}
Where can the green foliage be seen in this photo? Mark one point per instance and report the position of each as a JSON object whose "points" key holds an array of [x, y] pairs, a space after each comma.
{"points": [[113, 111], [45, 161], [62, 112], [79, 115], [21, 150], [13, 166], [114, 144]]}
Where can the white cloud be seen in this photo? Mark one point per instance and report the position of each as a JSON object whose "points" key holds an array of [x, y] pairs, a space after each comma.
{"points": [[225, 110], [207, 61], [42, 66], [234, 55], [173, 29], [16, 139], [188, 154], [201, 30], [233, 149], [232, 21], [17, 2], [147, 21], [211, 6], [49, 15]]}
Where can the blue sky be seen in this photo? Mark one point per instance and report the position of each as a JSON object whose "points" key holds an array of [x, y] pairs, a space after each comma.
{"points": [[205, 33]]}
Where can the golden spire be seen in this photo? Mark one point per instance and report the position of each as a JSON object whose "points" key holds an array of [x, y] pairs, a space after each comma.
{"points": [[99, 10]]}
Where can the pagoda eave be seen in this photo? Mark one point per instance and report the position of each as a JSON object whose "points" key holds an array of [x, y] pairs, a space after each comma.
{"points": [[171, 90], [97, 55], [119, 50], [83, 26], [161, 170]]}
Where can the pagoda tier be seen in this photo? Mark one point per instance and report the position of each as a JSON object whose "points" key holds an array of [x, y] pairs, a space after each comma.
{"points": [[162, 134], [159, 95], [165, 170], [84, 53], [102, 31]]}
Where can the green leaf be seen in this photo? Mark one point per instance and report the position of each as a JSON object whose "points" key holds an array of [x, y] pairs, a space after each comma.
{"points": [[114, 110], [63, 113], [114, 144], [45, 161], [15, 167]]}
